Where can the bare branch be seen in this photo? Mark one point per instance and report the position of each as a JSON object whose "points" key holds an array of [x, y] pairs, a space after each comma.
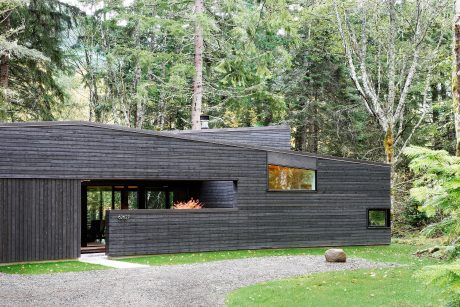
{"points": [[391, 56], [350, 61], [413, 67]]}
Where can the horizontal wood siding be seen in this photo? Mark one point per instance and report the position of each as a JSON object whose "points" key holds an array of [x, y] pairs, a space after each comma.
{"points": [[153, 233], [334, 215], [96, 153], [278, 137], [39, 219], [218, 194]]}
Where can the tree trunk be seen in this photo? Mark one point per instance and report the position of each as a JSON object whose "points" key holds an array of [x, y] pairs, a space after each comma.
{"points": [[456, 75], [300, 138], [139, 114], [314, 131], [5, 59], [4, 69], [198, 81], [388, 143], [94, 111]]}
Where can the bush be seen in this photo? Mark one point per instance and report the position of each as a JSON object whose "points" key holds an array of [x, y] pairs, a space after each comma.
{"points": [[437, 188], [412, 214]]}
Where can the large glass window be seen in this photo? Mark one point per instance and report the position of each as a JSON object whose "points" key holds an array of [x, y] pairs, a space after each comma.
{"points": [[283, 178], [378, 218]]}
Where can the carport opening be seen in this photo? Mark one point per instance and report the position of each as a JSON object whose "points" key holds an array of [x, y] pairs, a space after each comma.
{"points": [[99, 196]]}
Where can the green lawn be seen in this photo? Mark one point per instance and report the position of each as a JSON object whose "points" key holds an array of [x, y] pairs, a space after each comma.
{"points": [[383, 287], [183, 258], [399, 253], [378, 287], [50, 267]]}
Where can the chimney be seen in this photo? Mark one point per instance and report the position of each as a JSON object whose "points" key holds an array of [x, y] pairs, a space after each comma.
{"points": [[204, 119]]}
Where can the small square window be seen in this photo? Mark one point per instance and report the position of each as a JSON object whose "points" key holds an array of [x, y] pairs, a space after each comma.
{"points": [[378, 218]]}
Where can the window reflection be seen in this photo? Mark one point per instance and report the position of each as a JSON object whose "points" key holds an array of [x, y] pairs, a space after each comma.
{"points": [[281, 178], [378, 218]]}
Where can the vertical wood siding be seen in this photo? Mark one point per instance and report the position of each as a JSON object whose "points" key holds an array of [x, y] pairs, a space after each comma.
{"points": [[39, 219]]}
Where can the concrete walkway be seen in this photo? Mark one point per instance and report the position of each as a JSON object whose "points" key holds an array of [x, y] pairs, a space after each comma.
{"points": [[102, 259], [198, 284]]}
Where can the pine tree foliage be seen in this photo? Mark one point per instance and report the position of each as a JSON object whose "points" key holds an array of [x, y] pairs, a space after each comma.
{"points": [[33, 37]]}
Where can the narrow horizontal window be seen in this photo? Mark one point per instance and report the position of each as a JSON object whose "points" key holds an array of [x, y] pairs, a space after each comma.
{"points": [[283, 178], [378, 218]]}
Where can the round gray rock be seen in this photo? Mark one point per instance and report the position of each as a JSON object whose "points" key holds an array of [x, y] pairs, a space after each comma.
{"points": [[335, 255]]}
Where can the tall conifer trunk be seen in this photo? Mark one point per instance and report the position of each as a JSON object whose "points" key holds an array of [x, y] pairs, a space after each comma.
{"points": [[198, 81], [456, 74], [4, 71], [4, 59]]}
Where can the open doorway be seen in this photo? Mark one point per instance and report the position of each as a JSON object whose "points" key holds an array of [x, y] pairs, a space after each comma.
{"points": [[100, 196], [96, 200]]}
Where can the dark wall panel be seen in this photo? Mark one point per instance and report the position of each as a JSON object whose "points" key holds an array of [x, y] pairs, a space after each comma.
{"points": [[278, 137], [147, 232], [218, 194], [97, 153], [292, 160], [39, 219]]}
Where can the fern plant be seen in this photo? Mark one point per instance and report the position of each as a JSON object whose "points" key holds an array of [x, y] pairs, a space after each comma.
{"points": [[437, 188]]}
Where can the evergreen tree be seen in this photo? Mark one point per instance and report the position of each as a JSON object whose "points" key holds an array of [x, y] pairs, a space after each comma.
{"points": [[32, 57]]}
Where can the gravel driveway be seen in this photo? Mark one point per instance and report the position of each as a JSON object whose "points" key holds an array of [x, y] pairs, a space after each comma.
{"points": [[201, 284]]}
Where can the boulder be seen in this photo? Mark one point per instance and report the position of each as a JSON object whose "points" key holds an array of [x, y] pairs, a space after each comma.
{"points": [[335, 255]]}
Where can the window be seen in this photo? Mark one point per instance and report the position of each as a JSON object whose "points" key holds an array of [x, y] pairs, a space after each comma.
{"points": [[155, 199], [283, 178], [378, 218]]}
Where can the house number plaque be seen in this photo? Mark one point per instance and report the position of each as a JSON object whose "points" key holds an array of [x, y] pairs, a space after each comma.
{"points": [[123, 217]]}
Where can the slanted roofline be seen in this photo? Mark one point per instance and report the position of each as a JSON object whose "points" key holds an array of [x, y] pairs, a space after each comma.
{"points": [[231, 129], [186, 135]]}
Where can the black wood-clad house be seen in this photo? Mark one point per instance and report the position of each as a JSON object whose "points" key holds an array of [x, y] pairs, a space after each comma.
{"points": [[73, 187]]}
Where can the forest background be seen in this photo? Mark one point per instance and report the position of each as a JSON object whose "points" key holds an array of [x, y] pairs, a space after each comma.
{"points": [[357, 79]]}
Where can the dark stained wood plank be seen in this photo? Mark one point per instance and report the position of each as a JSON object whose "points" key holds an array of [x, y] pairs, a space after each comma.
{"points": [[42, 167]]}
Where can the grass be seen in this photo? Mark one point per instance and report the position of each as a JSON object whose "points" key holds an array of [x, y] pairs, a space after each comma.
{"points": [[50, 267], [378, 287], [400, 253], [383, 287], [183, 258]]}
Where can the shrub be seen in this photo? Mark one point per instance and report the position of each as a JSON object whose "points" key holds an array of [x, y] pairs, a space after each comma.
{"points": [[437, 188], [412, 214], [190, 204]]}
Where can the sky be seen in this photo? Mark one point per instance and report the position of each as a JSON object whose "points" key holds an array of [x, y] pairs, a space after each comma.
{"points": [[89, 9]]}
